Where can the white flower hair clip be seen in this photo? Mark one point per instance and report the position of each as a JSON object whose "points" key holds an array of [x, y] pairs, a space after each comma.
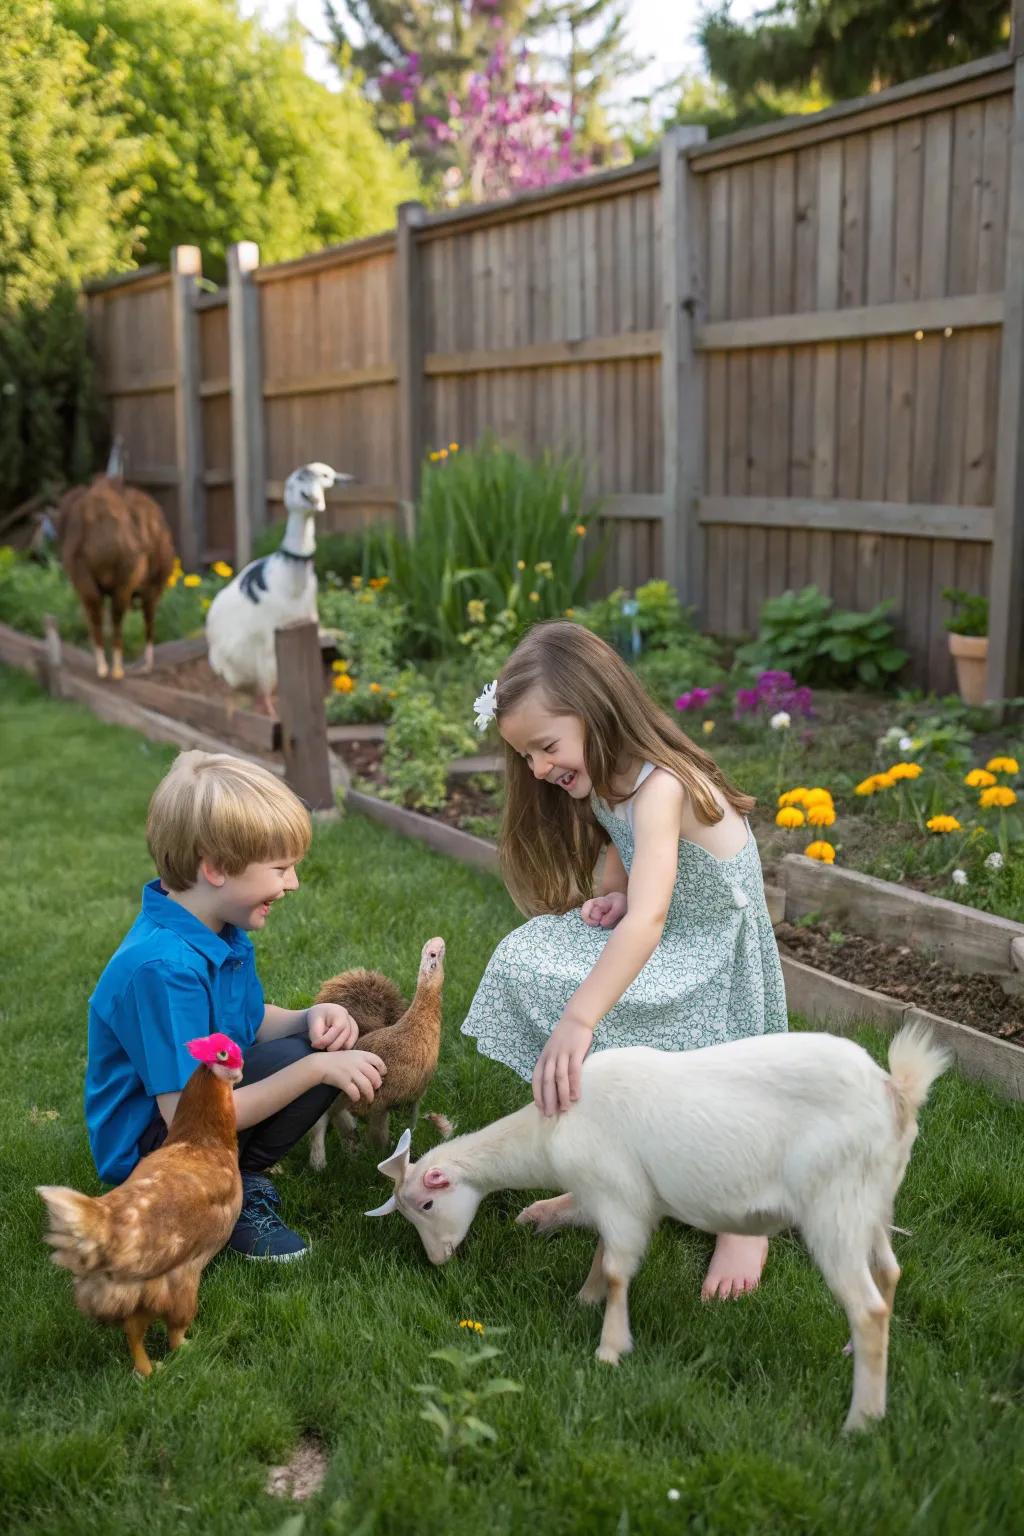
{"points": [[485, 706]]}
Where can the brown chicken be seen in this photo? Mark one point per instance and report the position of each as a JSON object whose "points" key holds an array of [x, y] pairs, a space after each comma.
{"points": [[407, 1039], [138, 1252]]}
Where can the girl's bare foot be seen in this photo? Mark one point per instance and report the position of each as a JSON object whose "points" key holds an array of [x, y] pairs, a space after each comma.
{"points": [[735, 1267], [548, 1215]]}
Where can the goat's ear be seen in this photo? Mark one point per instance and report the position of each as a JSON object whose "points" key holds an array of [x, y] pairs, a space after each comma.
{"points": [[436, 1178], [390, 1204], [397, 1165]]}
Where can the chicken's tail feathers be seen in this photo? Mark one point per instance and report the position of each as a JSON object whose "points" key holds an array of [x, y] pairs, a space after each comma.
{"points": [[77, 1227]]}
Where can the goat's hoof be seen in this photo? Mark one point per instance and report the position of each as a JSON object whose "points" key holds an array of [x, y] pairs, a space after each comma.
{"points": [[117, 674], [857, 1420], [103, 672], [608, 1355]]}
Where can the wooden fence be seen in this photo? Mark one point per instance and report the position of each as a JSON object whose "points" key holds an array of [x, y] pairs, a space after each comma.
{"points": [[790, 355]]}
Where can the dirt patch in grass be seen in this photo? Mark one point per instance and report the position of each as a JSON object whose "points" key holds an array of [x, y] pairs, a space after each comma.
{"points": [[303, 1474], [910, 976]]}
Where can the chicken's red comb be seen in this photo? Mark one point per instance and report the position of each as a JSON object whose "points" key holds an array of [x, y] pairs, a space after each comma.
{"points": [[215, 1050]]}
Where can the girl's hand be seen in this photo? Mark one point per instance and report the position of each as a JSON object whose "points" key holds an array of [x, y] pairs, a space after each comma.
{"points": [[556, 1077], [604, 911], [331, 1027]]}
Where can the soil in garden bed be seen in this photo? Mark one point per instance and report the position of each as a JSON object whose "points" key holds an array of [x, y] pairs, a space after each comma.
{"points": [[909, 975], [465, 801]]}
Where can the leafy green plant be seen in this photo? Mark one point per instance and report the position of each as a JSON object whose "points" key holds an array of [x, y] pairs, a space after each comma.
{"points": [[690, 662], [455, 1411], [970, 612], [496, 528], [421, 743], [824, 646], [653, 611], [367, 624]]}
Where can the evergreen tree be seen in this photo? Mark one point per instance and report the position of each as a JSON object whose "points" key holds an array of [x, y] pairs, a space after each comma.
{"points": [[585, 52], [847, 48]]}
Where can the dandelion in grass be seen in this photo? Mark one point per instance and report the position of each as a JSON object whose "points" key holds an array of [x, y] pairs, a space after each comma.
{"points": [[994, 861], [959, 877], [943, 824], [822, 851], [820, 815], [1003, 765], [1001, 797], [979, 778], [469, 1322], [790, 817], [192, 580]]}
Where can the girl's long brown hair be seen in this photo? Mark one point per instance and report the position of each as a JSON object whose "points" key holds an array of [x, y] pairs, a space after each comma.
{"points": [[550, 842]]}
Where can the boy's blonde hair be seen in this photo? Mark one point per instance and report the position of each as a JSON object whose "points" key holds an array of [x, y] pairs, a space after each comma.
{"points": [[218, 807]]}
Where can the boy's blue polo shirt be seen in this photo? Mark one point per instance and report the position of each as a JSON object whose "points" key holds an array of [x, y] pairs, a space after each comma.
{"points": [[170, 980]]}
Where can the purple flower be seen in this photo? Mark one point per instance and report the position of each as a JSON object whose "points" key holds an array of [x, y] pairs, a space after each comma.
{"points": [[697, 698]]}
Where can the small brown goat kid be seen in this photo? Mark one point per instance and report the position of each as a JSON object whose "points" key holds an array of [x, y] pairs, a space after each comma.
{"points": [[407, 1039], [115, 545]]}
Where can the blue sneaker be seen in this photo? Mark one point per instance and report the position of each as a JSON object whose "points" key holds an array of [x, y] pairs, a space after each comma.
{"points": [[259, 1231]]}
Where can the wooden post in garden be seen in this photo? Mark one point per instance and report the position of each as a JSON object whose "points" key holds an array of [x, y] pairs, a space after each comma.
{"points": [[1006, 586], [186, 269], [246, 398], [682, 368], [409, 343], [300, 703]]}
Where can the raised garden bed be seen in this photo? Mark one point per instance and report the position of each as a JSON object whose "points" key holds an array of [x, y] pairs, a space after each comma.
{"points": [[467, 807]]}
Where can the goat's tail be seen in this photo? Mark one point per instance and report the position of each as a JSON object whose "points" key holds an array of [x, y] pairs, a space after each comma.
{"points": [[915, 1061]]}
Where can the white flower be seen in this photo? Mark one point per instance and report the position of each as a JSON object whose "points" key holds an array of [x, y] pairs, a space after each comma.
{"points": [[673, 1495], [959, 877], [994, 861], [906, 743], [780, 722], [894, 733], [484, 706]]}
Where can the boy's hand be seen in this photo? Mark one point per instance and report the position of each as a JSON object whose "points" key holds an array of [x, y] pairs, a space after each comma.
{"points": [[331, 1027], [556, 1077], [604, 911], [358, 1074]]}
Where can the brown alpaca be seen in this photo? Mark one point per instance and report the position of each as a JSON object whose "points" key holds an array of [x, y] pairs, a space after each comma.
{"points": [[115, 544], [407, 1039]]}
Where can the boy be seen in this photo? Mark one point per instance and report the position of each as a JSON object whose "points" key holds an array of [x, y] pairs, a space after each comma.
{"points": [[225, 836]]}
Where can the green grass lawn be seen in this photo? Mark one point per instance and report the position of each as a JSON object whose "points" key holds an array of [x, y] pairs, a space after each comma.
{"points": [[736, 1407]]}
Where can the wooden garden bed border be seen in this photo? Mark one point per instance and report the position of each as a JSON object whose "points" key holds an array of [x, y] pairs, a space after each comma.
{"points": [[818, 996]]}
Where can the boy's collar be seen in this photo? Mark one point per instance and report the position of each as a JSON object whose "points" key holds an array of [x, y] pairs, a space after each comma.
{"points": [[159, 908]]}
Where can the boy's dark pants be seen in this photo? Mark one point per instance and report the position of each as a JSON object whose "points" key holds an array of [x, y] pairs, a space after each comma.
{"points": [[265, 1143]]}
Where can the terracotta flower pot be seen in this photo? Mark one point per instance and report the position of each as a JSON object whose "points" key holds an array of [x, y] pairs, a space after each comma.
{"points": [[970, 656]]}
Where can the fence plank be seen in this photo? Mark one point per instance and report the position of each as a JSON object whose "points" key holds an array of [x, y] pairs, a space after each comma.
{"points": [[246, 397], [409, 354], [915, 520], [186, 268]]}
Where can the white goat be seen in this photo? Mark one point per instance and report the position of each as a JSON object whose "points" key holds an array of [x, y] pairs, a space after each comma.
{"points": [[800, 1130]]}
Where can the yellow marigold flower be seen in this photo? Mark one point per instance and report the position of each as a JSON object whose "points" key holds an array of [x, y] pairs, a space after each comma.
{"points": [[979, 778], [193, 580], [375, 688], [884, 780], [392, 693], [378, 583], [789, 816], [906, 771], [221, 568], [443, 454], [453, 447], [476, 610], [820, 815], [817, 796], [707, 727], [520, 565], [580, 530], [867, 786], [942, 824], [343, 683], [1000, 797], [339, 666], [174, 578], [796, 796], [823, 852], [534, 597], [434, 458], [1003, 765]]}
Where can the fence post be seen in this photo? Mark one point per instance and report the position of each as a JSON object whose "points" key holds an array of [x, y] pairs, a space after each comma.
{"points": [[1006, 583], [409, 333], [186, 268], [300, 703], [246, 398], [682, 369]]}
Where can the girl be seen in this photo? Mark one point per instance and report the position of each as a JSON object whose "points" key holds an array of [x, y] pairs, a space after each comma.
{"points": [[676, 949]]}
